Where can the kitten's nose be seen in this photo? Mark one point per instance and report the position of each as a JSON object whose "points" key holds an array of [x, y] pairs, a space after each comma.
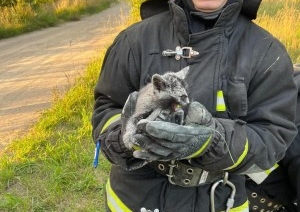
{"points": [[185, 99]]}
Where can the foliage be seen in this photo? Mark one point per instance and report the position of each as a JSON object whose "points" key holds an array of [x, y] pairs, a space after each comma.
{"points": [[13, 3], [285, 14], [30, 16]]}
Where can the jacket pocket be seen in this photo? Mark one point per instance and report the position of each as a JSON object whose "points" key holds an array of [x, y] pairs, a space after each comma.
{"points": [[235, 95]]}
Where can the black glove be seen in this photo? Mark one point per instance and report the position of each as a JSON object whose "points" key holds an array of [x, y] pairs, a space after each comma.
{"points": [[113, 146], [160, 140]]}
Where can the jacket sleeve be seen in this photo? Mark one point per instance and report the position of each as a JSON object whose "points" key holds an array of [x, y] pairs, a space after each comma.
{"points": [[116, 81], [118, 78], [297, 81], [258, 141]]}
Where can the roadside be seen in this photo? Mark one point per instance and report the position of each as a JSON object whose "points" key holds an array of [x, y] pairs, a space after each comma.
{"points": [[36, 64]]}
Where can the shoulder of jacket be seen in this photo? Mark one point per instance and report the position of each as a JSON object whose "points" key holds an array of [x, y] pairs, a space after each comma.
{"points": [[261, 37], [252, 27], [152, 23]]}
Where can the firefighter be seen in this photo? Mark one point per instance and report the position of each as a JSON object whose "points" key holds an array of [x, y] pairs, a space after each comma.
{"points": [[239, 122]]}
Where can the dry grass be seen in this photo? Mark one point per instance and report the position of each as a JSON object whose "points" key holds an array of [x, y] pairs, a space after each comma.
{"points": [[135, 10], [283, 21], [25, 17], [15, 16]]}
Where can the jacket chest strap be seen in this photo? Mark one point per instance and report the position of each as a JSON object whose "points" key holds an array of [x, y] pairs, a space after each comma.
{"points": [[180, 52], [183, 174]]}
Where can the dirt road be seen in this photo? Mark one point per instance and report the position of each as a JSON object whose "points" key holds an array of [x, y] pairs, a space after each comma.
{"points": [[35, 64]]}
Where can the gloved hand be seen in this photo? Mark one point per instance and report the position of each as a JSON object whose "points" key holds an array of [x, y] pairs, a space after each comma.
{"points": [[113, 144], [160, 140]]}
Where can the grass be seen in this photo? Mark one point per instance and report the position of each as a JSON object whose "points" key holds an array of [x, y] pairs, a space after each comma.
{"points": [[26, 18], [282, 19], [50, 169]]}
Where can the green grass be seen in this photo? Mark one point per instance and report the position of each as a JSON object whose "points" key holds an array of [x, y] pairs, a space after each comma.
{"points": [[26, 18], [50, 169]]}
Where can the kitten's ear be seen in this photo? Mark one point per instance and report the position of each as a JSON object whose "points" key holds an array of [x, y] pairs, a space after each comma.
{"points": [[158, 82], [183, 72]]}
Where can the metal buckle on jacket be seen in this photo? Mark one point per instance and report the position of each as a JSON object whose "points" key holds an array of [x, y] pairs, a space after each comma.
{"points": [[183, 174], [170, 175], [180, 52]]}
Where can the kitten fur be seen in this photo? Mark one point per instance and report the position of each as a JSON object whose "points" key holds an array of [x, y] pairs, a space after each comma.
{"points": [[167, 91]]}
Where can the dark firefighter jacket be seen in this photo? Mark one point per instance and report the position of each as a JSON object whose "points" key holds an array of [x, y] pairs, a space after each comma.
{"points": [[248, 65], [283, 184]]}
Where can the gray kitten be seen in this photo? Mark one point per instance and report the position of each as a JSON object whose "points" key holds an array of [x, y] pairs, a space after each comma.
{"points": [[167, 91]]}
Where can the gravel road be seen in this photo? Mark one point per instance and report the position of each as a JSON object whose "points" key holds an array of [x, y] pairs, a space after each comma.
{"points": [[35, 64]]}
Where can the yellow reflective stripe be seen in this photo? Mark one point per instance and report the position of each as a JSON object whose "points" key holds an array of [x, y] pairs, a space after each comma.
{"points": [[241, 158], [271, 169], [113, 201], [201, 149], [110, 121], [220, 107], [242, 208], [136, 147]]}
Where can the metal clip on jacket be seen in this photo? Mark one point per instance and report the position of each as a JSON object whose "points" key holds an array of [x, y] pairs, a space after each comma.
{"points": [[180, 52], [230, 199]]}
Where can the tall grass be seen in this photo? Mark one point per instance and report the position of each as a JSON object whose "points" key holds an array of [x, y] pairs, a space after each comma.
{"points": [[135, 10], [24, 17], [282, 19], [50, 169]]}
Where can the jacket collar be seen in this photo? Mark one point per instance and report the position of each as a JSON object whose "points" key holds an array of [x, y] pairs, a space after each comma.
{"points": [[153, 7], [226, 20]]}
